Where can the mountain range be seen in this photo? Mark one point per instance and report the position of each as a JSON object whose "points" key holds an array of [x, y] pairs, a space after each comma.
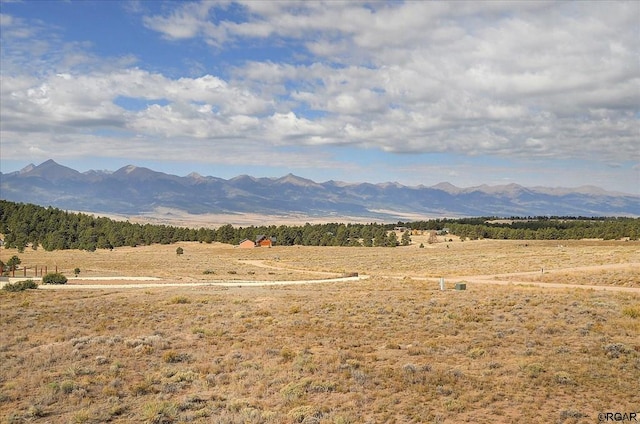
{"points": [[133, 190]]}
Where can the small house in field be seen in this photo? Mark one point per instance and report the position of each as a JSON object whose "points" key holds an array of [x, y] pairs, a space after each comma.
{"points": [[246, 243], [264, 241], [261, 241]]}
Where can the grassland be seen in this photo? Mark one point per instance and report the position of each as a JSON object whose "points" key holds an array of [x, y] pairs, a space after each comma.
{"points": [[391, 348]]}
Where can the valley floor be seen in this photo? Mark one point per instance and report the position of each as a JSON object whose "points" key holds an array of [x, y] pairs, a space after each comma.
{"points": [[388, 348]]}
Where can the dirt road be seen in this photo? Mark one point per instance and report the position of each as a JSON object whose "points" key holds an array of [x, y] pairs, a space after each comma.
{"points": [[498, 279], [506, 278], [125, 283]]}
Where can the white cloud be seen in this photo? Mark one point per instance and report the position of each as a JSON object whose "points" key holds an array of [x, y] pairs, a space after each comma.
{"points": [[186, 21], [507, 79]]}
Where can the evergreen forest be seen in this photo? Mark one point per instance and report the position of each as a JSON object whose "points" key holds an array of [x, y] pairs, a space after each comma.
{"points": [[27, 225]]}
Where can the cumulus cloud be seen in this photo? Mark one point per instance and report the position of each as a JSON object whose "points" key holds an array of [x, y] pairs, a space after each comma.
{"points": [[525, 79]]}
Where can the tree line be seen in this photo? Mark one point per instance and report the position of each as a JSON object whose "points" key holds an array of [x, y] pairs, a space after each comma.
{"points": [[54, 229], [536, 227]]}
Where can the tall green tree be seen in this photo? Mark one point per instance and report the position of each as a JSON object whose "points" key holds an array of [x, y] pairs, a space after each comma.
{"points": [[380, 238], [392, 239], [406, 238], [13, 263]]}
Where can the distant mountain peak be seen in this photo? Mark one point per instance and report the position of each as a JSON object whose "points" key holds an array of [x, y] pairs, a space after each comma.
{"points": [[447, 187], [509, 189], [27, 168], [139, 174], [297, 181], [51, 171], [137, 190], [138, 171], [338, 183], [388, 184], [243, 177]]}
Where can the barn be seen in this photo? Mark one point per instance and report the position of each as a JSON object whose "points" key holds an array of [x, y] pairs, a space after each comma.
{"points": [[264, 241], [246, 243], [261, 241]]}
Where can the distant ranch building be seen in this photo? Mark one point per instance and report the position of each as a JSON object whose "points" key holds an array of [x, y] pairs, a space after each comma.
{"points": [[264, 241], [246, 243], [261, 241]]}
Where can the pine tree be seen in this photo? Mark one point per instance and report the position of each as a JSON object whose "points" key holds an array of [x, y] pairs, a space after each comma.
{"points": [[406, 238]]}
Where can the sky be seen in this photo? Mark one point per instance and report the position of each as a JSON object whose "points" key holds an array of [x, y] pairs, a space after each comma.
{"points": [[532, 93]]}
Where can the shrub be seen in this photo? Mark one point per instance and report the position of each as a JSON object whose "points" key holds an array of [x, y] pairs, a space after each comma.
{"points": [[632, 311], [294, 309], [570, 413], [54, 278], [564, 378], [614, 350], [533, 370], [67, 386], [20, 286], [305, 413], [179, 300], [173, 357], [476, 352], [160, 412]]}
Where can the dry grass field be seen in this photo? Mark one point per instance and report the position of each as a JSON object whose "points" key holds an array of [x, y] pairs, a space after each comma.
{"points": [[391, 348]]}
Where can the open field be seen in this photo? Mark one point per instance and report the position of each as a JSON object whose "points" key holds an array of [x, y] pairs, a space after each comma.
{"points": [[176, 217], [561, 261], [390, 348]]}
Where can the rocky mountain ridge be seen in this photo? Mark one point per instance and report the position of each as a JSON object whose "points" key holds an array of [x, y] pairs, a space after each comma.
{"points": [[137, 190]]}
